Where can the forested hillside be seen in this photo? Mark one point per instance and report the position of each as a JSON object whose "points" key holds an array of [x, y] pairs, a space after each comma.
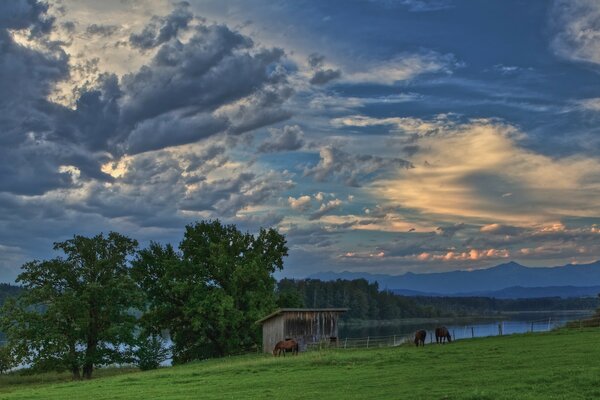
{"points": [[7, 290], [366, 301]]}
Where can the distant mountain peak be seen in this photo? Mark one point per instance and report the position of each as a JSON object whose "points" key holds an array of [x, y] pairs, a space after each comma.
{"points": [[509, 265], [514, 277]]}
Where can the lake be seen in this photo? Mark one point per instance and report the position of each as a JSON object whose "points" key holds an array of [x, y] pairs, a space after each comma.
{"points": [[462, 328]]}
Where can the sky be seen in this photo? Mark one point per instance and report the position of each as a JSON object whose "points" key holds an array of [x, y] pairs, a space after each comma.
{"points": [[379, 136]]}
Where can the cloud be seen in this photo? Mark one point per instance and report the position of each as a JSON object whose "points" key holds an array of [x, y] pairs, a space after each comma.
{"points": [[406, 125], [321, 75], [289, 138], [325, 208], [161, 30], [450, 231], [464, 171], [25, 14], [101, 30], [172, 129], [406, 66], [417, 5], [591, 104], [470, 255], [577, 34], [505, 230], [301, 203], [351, 169]]}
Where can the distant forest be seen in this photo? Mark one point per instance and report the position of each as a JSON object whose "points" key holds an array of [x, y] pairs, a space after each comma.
{"points": [[7, 290], [367, 302]]}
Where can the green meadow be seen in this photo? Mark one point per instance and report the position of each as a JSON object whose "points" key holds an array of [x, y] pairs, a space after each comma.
{"points": [[563, 364]]}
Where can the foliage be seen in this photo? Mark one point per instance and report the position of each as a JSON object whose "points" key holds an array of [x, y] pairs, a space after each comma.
{"points": [[364, 299], [7, 359], [150, 351], [75, 312], [556, 365], [210, 294], [7, 291]]}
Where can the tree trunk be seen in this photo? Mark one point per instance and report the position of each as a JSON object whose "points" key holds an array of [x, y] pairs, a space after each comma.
{"points": [[88, 368], [73, 361], [92, 341], [90, 354]]}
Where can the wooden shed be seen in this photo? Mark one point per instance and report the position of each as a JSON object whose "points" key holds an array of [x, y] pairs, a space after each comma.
{"points": [[305, 325]]}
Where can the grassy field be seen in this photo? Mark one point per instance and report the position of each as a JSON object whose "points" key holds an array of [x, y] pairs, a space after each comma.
{"points": [[557, 365]]}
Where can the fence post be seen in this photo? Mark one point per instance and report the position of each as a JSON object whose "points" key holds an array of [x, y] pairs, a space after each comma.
{"points": [[549, 319], [346, 342], [453, 335], [500, 329], [394, 340], [368, 337], [472, 333], [532, 327]]}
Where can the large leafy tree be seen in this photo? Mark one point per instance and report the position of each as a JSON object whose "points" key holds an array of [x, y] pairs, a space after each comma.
{"points": [[76, 311], [210, 293]]}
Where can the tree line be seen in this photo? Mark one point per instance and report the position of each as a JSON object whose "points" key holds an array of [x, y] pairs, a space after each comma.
{"points": [[364, 299], [104, 301], [367, 302]]}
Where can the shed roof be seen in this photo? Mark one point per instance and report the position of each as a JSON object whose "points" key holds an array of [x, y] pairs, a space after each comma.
{"points": [[283, 310]]}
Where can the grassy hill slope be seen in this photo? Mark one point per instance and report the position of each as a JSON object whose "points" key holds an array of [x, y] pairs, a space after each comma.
{"points": [[556, 365]]}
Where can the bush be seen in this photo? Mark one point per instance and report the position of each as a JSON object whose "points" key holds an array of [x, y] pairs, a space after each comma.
{"points": [[150, 352]]}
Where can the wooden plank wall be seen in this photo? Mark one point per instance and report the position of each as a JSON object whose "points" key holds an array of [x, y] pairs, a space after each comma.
{"points": [[272, 333]]}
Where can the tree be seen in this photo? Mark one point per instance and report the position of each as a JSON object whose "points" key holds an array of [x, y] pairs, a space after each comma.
{"points": [[75, 312], [210, 294], [7, 360]]}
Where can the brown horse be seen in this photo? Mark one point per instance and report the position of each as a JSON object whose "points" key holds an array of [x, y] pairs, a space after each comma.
{"points": [[420, 336], [285, 345], [442, 334]]}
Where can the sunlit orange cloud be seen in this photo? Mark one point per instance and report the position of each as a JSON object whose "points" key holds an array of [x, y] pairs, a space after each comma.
{"points": [[465, 173], [471, 255]]}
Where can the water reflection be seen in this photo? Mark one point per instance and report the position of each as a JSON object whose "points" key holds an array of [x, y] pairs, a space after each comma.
{"points": [[462, 328]]}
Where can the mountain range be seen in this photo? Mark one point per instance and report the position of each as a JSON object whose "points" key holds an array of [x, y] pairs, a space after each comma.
{"points": [[509, 280]]}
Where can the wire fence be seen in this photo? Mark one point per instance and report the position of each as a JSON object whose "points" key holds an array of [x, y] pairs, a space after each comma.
{"points": [[459, 333]]}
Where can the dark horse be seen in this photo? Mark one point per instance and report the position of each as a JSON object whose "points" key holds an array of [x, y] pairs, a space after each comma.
{"points": [[441, 334], [420, 336], [285, 345]]}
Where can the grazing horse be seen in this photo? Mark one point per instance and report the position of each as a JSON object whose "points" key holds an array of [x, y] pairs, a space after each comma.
{"points": [[285, 345], [420, 336], [442, 334]]}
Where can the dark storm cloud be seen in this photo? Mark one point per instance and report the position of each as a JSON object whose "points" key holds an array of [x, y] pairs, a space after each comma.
{"points": [[171, 101], [228, 196], [321, 75], [324, 76], [316, 60], [172, 129], [185, 82], [22, 14], [30, 158], [351, 168], [164, 29], [287, 139], [101, 30]]}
